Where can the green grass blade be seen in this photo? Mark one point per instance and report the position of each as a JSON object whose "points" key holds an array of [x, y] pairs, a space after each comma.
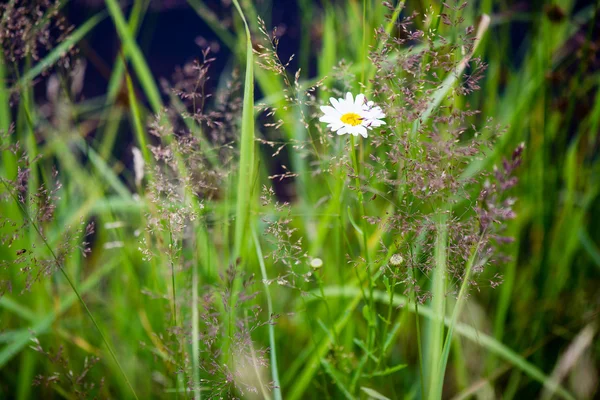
{"points": [[135, 20], [435, 327], [373, 394], [588, 244], [42, 325], [133, 52], [196, 323], [303, 380], [63, 271], [457, 309], [140, 132], [104, 171], [61, 49], [246, 172]]}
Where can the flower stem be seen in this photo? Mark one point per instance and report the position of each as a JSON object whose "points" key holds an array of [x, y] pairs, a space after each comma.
{"points": [[373, 317]]}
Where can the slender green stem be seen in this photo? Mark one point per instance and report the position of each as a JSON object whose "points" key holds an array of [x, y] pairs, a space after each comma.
{"points": [[457, 309], [419, 347], [388, 321], [372, 317], [273, 352], [173, 278], [195, 325]]}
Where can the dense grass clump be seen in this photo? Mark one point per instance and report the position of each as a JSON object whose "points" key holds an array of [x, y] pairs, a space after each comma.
{"points": [[404, 208]]}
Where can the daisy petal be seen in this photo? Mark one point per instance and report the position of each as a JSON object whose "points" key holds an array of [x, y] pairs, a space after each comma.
{"points": [[349, 98], [360, 100], [362, 131], [330, 117], [337, 104], [329, 110]]}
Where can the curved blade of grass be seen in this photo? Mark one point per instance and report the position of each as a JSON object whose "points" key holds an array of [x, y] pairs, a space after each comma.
{"points": [[588, 244], [466, 331], [303, 380], [246, 171], [133, 52], [327, 57], [41, 325], [61, 49]]}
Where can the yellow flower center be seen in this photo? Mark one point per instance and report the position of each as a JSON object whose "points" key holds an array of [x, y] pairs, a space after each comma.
{"points": [[351, 119]]}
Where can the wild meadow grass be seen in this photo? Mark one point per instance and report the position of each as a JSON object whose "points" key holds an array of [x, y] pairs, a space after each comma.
{"points": [[404, 209]]}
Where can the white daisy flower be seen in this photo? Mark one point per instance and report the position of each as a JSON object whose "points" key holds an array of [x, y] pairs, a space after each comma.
{"points": [[352, 115]]}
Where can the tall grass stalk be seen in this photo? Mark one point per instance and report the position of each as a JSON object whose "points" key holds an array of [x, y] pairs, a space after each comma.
{"points": [[462, 295], [272, 342], [133, 52], [435, 328], [246, 170]]}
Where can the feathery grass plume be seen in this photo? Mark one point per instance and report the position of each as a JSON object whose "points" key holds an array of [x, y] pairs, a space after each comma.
{"points": [[35, 214], [30, 28], [240, 372], [287, 247], [420, 163], [77, 381]]}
